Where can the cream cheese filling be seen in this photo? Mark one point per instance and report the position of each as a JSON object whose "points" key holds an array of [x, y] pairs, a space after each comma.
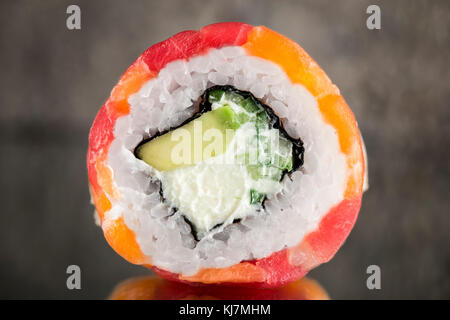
{"points": [[216, 191], [219, 190]]}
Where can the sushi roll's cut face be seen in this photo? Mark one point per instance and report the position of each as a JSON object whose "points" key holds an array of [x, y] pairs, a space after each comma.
{"points": [[221, 166], [226, 156], [222, 205]]}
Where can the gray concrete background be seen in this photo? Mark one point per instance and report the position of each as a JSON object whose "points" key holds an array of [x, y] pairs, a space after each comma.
{"points": [[54, 80]]}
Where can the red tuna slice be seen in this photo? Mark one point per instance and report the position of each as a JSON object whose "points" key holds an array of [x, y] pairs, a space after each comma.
{"points": [[190, 43], [100, 136], [225, 34]]}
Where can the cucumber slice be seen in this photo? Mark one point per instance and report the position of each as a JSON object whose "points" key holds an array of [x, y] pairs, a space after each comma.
{"points": [[256, 197], [215, 95]]}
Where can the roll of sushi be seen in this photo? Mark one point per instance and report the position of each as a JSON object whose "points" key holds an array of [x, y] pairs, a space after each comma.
{"points": [[226, 156]]}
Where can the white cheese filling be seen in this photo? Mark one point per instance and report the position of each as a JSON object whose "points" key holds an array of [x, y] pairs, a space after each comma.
{"points": [[217, 191]]}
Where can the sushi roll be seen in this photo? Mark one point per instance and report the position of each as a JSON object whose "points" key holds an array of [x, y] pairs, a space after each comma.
{"points": [[226, 156], [155, 288]]}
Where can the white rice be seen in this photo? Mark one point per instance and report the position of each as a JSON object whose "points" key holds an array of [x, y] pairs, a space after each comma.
{"points": [[166, 101]]}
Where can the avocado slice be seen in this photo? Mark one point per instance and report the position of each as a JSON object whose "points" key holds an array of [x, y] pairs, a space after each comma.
{"points": [[192, 142]]}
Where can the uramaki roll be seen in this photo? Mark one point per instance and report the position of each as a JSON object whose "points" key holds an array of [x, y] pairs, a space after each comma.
{"points": [[226, 156]]}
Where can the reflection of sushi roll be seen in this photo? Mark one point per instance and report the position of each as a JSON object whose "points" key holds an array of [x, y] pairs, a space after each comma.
{"points": [[154, 288], [226, 155]]}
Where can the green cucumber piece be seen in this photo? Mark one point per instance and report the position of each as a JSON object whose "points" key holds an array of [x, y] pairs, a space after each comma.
{"points": [[256, 197]]}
